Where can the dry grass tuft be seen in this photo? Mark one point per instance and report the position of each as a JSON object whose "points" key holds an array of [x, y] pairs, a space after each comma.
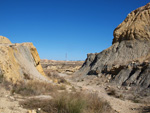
{"points": [[146, 109], [29, 88], [1, 78], [70, 103], [111, 92], [62, 87], [96, 105], [53, 75]]}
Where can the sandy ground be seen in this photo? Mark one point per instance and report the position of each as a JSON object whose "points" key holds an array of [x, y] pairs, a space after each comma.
{"points": [[8, 104], [119, 105]]}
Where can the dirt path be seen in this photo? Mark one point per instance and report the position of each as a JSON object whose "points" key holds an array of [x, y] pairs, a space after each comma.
{"points": [[120, 106], [8, 104]]}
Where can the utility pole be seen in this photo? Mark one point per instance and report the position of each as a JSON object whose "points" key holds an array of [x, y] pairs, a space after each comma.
{"points": [[66, 56]]}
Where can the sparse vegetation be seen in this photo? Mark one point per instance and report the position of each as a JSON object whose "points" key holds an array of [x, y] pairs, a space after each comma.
{"points": [[70, 103], [136, 100], [111, 92], [62, 87], [4, 83], [1, 78], [146, 109], [51, 74], [62, 80], [73, 89], [54, 75], [114, 93], [67, 67], [33, 88]]}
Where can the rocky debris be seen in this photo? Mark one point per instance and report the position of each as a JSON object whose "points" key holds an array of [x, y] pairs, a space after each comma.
{"points": [[128, 59], [19, 61]]}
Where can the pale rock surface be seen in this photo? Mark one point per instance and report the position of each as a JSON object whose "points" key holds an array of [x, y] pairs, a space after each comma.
{"points": [[19, 61], [4, 40]]}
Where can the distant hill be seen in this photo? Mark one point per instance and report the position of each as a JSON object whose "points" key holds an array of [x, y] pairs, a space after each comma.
{"points": [[66, 67]]}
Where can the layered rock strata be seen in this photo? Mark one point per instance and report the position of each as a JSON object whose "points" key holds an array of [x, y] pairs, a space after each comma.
{"points": [[127, 61]]}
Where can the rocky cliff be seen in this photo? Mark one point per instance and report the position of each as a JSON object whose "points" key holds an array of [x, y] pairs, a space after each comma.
{"points": [[127, 61], [19, 61]]}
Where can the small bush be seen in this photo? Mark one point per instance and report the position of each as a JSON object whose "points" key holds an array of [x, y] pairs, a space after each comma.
{"points": [[67, 103], [112, 92], [136, 100], [62, 80], [96, 105], [4, 83], [62, 87], [146, 109], [1, 78], [70, 103], [54, 75], [73, 89]]}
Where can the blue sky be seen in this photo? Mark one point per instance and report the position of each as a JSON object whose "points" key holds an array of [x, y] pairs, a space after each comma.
{"points": [[57, 27]]}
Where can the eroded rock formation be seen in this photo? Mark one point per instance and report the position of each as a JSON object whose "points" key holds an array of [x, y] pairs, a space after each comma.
{"points": [[128, 59], [19, 61], [135, 26]]}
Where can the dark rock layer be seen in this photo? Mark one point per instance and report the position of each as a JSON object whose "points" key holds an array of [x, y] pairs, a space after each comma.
{"points": [[128, 59]]}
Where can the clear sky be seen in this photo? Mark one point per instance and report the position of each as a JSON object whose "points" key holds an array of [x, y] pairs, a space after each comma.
{"points": [[57, 27]]}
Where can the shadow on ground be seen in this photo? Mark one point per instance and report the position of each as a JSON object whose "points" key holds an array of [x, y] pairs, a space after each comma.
{"points": [[146, 109]]}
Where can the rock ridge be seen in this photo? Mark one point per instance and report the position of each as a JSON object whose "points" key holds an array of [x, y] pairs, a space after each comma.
{"points": [[135, 26], [127, 61]]}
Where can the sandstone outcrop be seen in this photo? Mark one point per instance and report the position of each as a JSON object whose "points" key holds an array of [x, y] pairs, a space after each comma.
{"points": [[135, 26], [19, 61], [4, 40], [128, 59]]}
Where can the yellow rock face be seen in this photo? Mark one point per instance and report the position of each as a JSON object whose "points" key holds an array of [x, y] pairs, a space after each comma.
{"points": [[19, 61], [4, 40], [35, 56], [8, 65], [135, 26]]}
